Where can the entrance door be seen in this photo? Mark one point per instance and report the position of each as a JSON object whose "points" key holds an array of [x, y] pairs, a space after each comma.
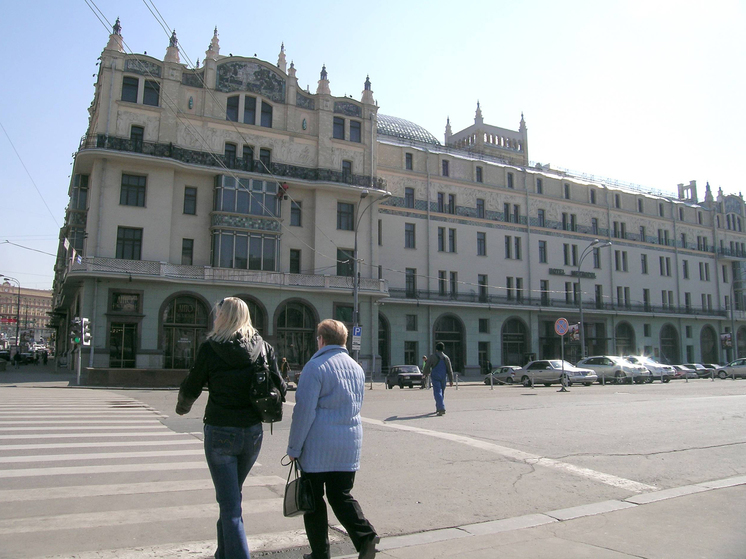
{"points": [[122, 345], [449, 330]]}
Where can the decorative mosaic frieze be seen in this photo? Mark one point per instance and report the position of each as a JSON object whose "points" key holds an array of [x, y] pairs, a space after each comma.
{"points": [[143, 67], [347, 108], [252, 77], [304, 102], [193, 79], [246, 222]]}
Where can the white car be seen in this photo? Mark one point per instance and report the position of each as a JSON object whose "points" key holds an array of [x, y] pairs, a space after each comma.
{"points": [[548, 371], [610, 368], [658, 370]]}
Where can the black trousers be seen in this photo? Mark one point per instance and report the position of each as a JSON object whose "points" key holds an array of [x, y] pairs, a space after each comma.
{"points": [[347, 510]]}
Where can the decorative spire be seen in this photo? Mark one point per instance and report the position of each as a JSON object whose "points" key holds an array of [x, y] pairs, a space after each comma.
{"points": [[522, 127], [368, 92], [172, 52], [323, 87], [115, 39], [214, 49], [281, 62], [449, 132], [291, 71], [478, 117]]}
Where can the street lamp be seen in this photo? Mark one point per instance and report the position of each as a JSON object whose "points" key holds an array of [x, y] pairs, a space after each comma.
{"points": [[355, 274], [596, 243], [18, 311]]}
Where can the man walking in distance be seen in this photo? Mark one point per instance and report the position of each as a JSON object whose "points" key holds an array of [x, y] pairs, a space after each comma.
{"points": [[326, 437], [438, 366]]}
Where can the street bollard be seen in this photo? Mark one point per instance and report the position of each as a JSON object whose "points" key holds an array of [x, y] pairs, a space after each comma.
{"points": [[492, 382], [564, 383], [456, 375]]}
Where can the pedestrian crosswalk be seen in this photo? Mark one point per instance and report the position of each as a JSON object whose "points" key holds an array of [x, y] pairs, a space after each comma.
{"points": [[93, 472]]}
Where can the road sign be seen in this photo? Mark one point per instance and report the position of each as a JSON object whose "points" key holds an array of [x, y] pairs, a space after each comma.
{"points": [[357, 334], [561, 326]]}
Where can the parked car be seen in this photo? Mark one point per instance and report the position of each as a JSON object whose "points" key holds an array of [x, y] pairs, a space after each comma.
{"points": [[404, 375], [685, 372], [503, 375], [735, 368], [703, 371], [659, 371], [5, 354], [548, 371], [610, 368]]}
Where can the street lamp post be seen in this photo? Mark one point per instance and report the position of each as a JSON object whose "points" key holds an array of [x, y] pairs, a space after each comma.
{"points": [[18, 311], [596, 243], [355, 273]]}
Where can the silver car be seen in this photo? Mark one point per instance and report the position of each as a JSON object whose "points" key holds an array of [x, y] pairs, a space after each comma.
{"points": [[610, 368], [733, 369], [658, 370], [549, 371], [503, 375]]}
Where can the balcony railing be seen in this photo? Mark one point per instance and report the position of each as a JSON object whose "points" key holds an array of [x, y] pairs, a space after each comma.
{"points": [[210, 159], [545, 302], [144, 269]]}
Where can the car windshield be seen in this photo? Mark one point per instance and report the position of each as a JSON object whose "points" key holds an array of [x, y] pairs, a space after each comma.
{"points": [[557, 364], [408, 369]]}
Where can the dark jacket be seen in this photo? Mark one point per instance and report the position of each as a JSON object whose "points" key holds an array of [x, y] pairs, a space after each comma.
{"points": [[225, 368], [433, 361]]}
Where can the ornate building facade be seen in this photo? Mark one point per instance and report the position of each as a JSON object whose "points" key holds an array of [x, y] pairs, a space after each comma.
{"points": [[196, 183]]}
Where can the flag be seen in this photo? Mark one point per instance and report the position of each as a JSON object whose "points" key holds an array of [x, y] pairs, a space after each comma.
{"points": [[79, 259], [66, 243]]}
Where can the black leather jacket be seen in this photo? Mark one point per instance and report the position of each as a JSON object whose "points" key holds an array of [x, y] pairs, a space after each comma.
{"points": [[224, 368]]}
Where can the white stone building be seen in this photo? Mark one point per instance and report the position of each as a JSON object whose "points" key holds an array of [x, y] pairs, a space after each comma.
{"points": [[193, 184]]}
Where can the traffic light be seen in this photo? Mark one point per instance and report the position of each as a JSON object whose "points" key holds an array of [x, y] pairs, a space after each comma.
{"points": [[75, 330], [86, 331]]}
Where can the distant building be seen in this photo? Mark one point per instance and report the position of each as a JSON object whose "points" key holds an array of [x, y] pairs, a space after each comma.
{"points": [[193, 184], [32, 317]]}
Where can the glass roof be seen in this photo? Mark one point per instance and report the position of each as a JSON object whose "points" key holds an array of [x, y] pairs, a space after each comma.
{"points": [[405, 129]]}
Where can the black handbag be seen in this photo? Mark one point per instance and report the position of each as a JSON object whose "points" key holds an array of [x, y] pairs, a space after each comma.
{"points": [[298, 494]]}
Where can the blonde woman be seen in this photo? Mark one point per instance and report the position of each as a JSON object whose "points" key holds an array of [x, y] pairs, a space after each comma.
{"points": [[233, 429]]}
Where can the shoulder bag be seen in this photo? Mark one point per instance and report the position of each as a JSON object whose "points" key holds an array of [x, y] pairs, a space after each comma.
{"points": [[298, 493]]}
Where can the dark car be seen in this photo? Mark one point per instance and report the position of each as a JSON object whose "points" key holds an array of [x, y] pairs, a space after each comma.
{"points": [[5, 354], [404, 375], [703, 371]]}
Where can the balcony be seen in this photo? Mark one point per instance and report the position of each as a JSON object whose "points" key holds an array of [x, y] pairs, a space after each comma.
{"points": [[220, 161], [545, 303], [150, 270]]}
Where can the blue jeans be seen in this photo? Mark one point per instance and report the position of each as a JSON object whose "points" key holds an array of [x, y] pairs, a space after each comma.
{"points": [[230, 453], [439, 388]]}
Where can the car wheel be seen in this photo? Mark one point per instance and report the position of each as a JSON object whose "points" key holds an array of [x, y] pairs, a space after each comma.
{"points": [[619, 377], [547, 384], [587, 383], [509, 380], [665, 378], [569, 383], [722, 374], [526, 381], [401, 385], [649, 379]]}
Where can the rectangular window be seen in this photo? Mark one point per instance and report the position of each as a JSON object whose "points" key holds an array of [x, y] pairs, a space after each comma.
{"points": [[248, 158], [347, 172], [132, 192], [129, 243], [408, 163], [294, 261], [594, 226], [151, 93], [339, 128], [688, 301], [593, 196], [506, 212], [639, 205], [479, 174], [410, 353], [441, 239], [643, 237], [345, 216], [409, 197], [519, 288], [380, 234], [544, 288], [660, 210], [683, 240], [543, 252], [454, 284], [569, 292], [539, 186], [137, 135], [442, 283], [409, 240], [542, 218], [617, 201], [230, 155], [597, 258], [265, 157], [644, 263], [484, 325], [411, 321], [510, 181], [345, 262], [266, 115], [509, 288], [410, 278], [79, 197], [451, 240], [517, 246], [451, 204], [646, 301], [187, 251], [441, 202], [355, 135], [480, 208], [129, 89], [624, 262], [295, 213], [516, 213], [190, 200], [508, 247], [483, 287], [685, 270], [566, 253], [681, 214], [567, 191], [565, 222], [599, 296], [231, 108], [249, 110], [444, 167], [481, 243], [574, 255]]}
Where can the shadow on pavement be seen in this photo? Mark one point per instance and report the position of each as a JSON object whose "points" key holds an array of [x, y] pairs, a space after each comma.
{"points": [[407, 418]]}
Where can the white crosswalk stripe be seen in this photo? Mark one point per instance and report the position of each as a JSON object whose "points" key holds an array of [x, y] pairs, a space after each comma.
{"points": [[97, 466]]}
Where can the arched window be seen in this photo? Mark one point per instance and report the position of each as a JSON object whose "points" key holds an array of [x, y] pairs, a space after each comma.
{"points": [[450, 330], [296, 333], [708, 344], [670, 345], [184, 322], [625, 339], [514, 342]]}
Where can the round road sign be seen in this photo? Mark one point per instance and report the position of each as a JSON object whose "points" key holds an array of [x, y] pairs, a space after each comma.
{"points": [[561, 326]]}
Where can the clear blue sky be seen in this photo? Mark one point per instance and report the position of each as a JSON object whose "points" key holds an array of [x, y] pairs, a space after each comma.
{"points": [[643, 91]]}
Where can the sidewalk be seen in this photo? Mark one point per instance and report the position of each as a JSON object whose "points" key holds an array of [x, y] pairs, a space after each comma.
{"points": [[37, 375]]}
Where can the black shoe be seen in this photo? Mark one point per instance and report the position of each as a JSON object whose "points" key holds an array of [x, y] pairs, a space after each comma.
{"points": [[308, 556], [368, 549]]}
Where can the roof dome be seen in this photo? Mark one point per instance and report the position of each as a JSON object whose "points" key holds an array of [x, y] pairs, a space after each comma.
{"points": [[405, 129]]}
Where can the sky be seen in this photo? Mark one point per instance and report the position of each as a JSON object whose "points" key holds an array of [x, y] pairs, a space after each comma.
{"points": [[648, 92]]}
